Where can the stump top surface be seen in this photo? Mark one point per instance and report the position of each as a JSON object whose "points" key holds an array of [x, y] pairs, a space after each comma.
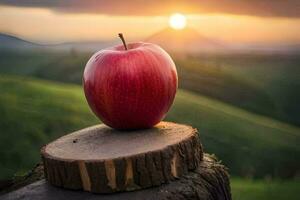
{"points": [[101, 142]]}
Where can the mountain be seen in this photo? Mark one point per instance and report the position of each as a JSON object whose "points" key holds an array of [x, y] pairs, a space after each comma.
{"points": [[84, 46], [13, 42], [190, 41], [16, 43], [186, 40]]}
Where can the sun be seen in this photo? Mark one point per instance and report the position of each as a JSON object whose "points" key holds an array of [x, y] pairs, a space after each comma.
{"points": [[177, 21]]}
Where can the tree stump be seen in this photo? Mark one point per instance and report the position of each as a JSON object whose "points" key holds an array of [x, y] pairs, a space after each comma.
{"points": [[209, 181], [103, 160]]}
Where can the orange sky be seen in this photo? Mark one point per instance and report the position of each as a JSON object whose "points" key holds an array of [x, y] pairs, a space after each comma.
{"points": [[45, 25]]}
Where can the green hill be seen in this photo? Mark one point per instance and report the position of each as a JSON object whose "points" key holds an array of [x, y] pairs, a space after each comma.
{"points": [[250, 144], [26, 62], [33, 112], [264, 84]]}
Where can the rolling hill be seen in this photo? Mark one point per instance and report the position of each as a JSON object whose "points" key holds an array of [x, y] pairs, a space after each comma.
{"points": [[37, 111], [33, 113], [264, 84]]}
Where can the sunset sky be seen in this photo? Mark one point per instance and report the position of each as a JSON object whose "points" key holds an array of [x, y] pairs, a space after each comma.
{"points": [[52, 21]]}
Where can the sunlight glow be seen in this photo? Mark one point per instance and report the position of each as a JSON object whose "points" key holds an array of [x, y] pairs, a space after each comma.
{"points": [[45, 26], [177, 21]]}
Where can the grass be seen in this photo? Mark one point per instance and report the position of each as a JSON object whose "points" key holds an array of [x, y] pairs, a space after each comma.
{"points": [[250, 144], [34, 112], [245, 189], [264, 84]]}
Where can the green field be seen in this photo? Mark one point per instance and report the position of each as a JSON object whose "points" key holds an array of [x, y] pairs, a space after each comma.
{"points": [[250, 144], [265, 84], [243, 189], [33, 113], [37, 111]]}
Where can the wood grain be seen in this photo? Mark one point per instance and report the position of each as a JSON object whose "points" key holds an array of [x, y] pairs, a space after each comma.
{"points": [[103, 160]]}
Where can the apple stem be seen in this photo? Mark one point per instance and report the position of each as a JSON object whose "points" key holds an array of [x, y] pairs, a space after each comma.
{"points": [[123, 40]]}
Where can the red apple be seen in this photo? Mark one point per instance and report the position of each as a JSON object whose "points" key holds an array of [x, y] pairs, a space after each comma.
{"points": [[130, 86]]}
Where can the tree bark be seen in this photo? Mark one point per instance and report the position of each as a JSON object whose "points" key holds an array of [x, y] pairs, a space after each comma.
{"points": [[210, 181], [103, 160]]}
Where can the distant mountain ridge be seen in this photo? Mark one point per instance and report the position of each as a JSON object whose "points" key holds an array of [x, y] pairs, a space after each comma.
{"points": [[185, 41], [16, 43], [13, 42], [190, 41]]}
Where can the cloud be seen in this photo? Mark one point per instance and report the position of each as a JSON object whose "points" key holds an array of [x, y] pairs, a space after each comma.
{"points": [[263, 8]]}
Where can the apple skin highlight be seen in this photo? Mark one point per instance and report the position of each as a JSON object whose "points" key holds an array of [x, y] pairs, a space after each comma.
{"points": [[133, 88]]}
